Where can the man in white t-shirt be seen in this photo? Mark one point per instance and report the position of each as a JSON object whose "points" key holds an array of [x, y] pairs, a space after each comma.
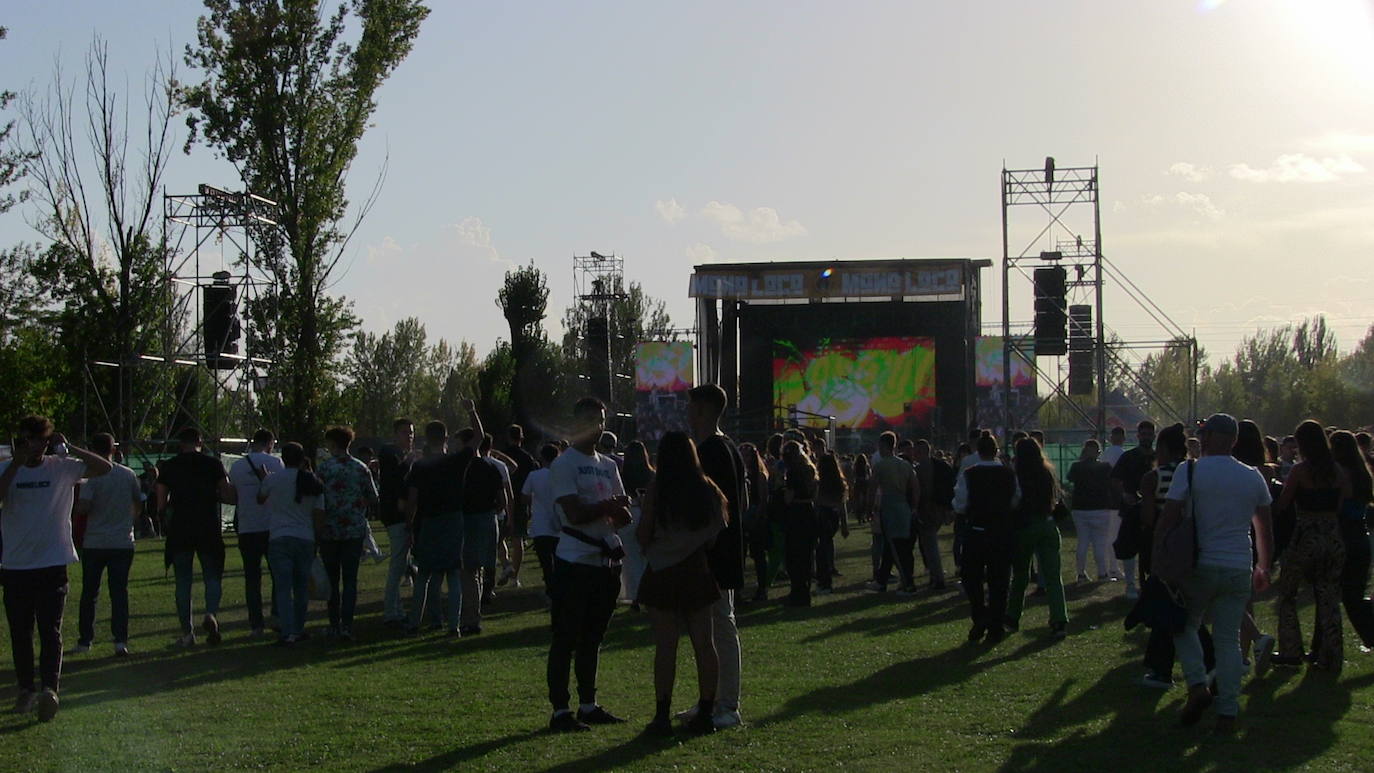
{"points": [[1228, 497], [1116, 446], [544, 528], [111, 503], [37, 488], [252, 520], [591, 504]]}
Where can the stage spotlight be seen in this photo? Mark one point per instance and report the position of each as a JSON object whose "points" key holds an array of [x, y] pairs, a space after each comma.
{"points": [[823, 281]]}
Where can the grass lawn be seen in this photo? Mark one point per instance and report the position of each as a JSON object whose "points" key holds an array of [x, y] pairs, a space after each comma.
{"points": [[860, 681]]}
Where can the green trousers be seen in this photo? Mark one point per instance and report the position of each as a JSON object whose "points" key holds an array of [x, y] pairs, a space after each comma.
{"points": [[1040, 541]]}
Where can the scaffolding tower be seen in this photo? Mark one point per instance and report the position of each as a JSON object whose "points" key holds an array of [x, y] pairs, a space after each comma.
{"points": [[1066, 204]]}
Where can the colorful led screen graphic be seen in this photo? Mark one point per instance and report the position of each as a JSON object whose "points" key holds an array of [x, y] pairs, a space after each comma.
{"points": [[663, 374], [989, 363], [863, 383], [664, 366]]}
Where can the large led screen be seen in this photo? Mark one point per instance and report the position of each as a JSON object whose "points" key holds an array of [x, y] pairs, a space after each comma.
{"points": [[863, 383], [663, 374]]}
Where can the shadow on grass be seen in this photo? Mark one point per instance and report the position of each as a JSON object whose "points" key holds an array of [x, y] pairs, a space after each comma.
{"points": [[450, 759], [1303, 717]]}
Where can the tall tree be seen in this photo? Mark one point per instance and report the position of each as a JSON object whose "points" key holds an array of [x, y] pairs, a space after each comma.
{"points": [[635, 317], [524, 300], [289, 89], [12, 158], [95, 173]]}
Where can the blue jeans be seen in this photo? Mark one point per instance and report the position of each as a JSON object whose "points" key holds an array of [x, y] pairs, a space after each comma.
{"points": [[94, 562], [1225, 592], [429, 589], [398, 535], [253, 549], [212, 573], [290, 559], [341, 559]]}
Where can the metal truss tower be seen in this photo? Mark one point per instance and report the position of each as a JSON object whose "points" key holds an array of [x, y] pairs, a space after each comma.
{"points": [[1067, 205]]}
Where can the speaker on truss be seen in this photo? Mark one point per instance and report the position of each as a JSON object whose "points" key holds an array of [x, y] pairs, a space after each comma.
{"points": [[220, 326], [1051, 321], [598, 341], [1080, 349]]}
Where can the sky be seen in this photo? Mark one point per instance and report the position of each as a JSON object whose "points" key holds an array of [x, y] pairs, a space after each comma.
{"points": [[1235, 140]]}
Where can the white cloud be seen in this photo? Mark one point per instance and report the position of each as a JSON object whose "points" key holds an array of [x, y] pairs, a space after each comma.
{"points": [[759, 225], [1299, 167], [1342, 143], [670, 210], [383, 253], [700, 253], [474, 238], [1200, 203], [1190, 172]]}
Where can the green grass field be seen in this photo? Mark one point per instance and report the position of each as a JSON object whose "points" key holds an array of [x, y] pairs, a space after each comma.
{"points": [[860, 681]]}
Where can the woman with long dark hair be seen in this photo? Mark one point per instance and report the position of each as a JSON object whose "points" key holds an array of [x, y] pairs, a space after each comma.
{"points": [[1251, 449], [637, 474], [683, 513], [756, 526], [1037, 536], [799, 526], [291, 496], [832, 496], [1318, 486], [1355, 513]]}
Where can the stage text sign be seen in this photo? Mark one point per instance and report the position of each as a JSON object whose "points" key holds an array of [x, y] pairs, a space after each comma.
{"points": [[841, 282]]}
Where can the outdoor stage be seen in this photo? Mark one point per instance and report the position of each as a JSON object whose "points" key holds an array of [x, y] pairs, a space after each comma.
{"points": [[860, 346]]}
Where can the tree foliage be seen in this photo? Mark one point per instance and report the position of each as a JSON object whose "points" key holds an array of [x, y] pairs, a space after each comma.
{"points": [[400, 374], [288, 91], [95, 171], [523, 300]]}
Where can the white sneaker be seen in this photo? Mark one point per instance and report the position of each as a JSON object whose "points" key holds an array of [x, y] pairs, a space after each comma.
{"points": [[726, 718], [188, 640], [121, 649], [47, 705], [1150, 680]]}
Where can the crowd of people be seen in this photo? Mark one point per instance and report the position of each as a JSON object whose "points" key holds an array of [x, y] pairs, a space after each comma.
{"points": [[1191, 521]]}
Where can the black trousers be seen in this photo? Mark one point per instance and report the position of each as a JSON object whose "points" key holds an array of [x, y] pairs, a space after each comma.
{"points": [[35, 596], [800, 530], [253, 551], [757, 536], [928, 533], [1159, 651], [543, 549], [986, 573], [95, 563], [900, 550], [583, 602], [828, 523], [1354, 579]]}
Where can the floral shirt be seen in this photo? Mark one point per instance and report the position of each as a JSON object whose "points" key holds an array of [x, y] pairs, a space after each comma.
{"points": [[348, 493]]}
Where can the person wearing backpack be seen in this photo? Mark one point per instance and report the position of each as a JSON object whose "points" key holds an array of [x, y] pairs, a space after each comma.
{"points": [[1202, 547]]}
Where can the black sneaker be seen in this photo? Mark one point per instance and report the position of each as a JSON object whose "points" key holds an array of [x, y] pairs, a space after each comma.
{"points": [[977, 632], [1059, 630], [701, 724], [470, 630], [995, 635], [661, 727], [598, 716], [1011, 624], [565, 722]]}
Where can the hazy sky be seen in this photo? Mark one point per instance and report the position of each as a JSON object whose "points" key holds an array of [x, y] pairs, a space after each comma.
{"points": [[1236, 144]]}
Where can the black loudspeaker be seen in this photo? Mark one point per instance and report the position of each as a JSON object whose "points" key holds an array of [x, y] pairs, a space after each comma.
{"points": [[598, 341], [1051, 319], [1080, 350], [220, 326]]}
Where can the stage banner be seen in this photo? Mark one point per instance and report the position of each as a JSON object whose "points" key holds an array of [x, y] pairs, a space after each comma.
{"points": [[988, 354], [663, 374], [870, 279], [868, 383]]}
